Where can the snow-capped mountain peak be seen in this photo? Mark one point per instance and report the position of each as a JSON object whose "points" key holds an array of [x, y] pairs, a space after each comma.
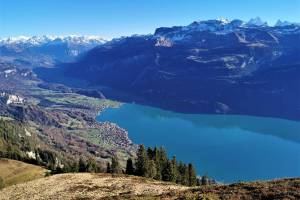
{"points": [[170, 35], [224, 20], [285, 23], [257, 22], [39, 40]]}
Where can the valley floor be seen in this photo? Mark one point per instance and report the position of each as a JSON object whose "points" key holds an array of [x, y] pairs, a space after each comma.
{"points": [[107, 186]]}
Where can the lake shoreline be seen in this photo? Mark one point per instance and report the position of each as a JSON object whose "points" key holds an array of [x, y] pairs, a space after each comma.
{"points": [[136, 119]]}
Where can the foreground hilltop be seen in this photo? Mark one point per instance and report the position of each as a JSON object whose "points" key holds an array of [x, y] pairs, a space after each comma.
{"points": [[88, 186], [106, 186]]}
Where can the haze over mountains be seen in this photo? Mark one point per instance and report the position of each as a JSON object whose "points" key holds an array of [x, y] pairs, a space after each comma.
{"points": [[214, 66], [45, 50]]}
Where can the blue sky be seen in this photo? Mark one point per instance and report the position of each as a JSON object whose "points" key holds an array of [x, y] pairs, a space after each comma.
{"points": [[113, 18]]}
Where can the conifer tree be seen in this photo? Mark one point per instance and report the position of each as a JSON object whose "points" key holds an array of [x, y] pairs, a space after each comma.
{"points": [[151, 169], [150, 153], [141, 162], [92, 166], [192, 179], [108, 168], [205, 180], [182, 177], [158, 165], [167, 172], [174, 169], [74, 167], [163, 157], [115, 166], [129, 167], [81, 165]]}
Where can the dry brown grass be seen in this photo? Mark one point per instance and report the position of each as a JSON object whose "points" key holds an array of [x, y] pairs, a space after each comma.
{"points": [[284, 189], [14, 172], [87, 186], [109, 187]]}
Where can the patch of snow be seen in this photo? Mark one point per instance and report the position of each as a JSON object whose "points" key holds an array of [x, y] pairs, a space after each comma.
{"points": [[285, 23], [27, 133], [8, 72], [163, 42], [257, 22], [31, 154], [243, 65], [24, 74], [221, 108], [39, 40], [14, 99], [224, 20]]}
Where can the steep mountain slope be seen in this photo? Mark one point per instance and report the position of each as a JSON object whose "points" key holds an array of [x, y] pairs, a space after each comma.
{"points": [[61, 122], [214, 66], [105, 186]]}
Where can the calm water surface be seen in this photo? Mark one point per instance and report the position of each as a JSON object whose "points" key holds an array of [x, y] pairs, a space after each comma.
{"points": [[228, 148]]}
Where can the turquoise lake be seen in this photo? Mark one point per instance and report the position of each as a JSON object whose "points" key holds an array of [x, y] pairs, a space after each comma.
{"points": [[228, 148]]}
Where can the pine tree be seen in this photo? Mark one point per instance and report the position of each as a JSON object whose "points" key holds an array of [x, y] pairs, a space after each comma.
{"points": [[129, 167], [167, 172], [151, 169], [182, 173], [163, 157], [115, 166], [205, 180], [74, 167], [82, 165], [192, 179], [174, 169], [108, 168], [141, 162], [150, 153], [158, 165], [198, 182], [92, 166]]}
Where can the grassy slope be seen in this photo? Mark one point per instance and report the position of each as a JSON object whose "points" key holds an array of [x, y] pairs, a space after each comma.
{"points": [[106, 186], [14, 172], [285, 189], [87, 186]]}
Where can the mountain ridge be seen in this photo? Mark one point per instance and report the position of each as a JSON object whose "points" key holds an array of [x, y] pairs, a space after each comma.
{"points": [[38, 40], [213, 66], [45, 51]]}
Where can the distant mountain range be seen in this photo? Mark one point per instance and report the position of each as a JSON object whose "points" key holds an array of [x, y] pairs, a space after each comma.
{"points": [[50, 39], [43, 51], [214, 66]]}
